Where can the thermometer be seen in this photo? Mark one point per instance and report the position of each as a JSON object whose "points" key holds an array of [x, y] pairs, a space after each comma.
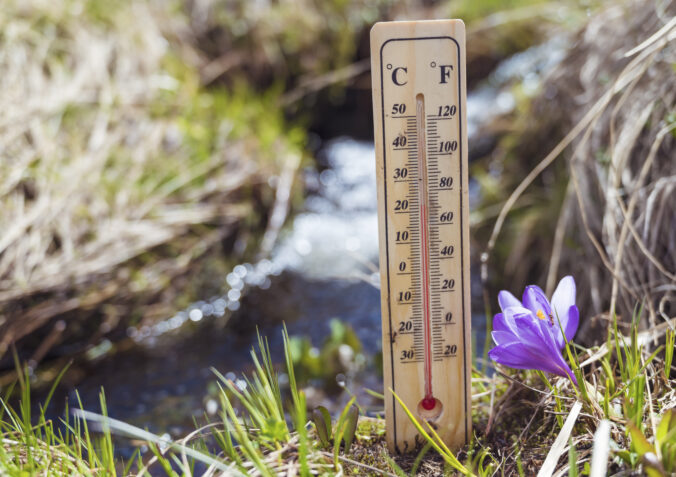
{"points": [[419, 111]]}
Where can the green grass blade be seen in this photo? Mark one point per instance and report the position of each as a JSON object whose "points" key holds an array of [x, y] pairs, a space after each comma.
{"points": [[141, 434], [448, 456]]}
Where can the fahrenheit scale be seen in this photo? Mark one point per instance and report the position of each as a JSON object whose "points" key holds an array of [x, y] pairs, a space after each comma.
{"points": [[419, 110]]}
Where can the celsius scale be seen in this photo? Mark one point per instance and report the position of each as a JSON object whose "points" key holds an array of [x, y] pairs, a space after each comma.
{"points": [[419, 111]]}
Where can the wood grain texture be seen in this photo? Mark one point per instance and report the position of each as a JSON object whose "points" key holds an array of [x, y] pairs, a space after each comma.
{"points": [[424, 59]]}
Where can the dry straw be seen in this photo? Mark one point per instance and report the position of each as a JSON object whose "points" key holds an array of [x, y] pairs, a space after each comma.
{"points": [[92, 176], [619, 210]]}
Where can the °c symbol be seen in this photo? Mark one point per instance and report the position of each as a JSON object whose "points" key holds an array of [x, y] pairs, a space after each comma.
{"points": [[433, 64], [389, 66]]}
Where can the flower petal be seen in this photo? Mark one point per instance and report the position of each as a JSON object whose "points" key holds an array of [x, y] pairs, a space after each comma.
{"points": [[551, 335], [572, 323], [504, 337], [516, 312], [499, 323], [541, 339], [505, 321], [536, 340], [555, 328], [518, 356], [514, 355], [506, 299], [564, 295], [535, 300], [531, 333], [562, 299], [553, 351], [564, 371]]}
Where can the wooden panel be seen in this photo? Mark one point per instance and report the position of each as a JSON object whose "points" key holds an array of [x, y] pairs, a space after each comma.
{"points": [[419, 109]]}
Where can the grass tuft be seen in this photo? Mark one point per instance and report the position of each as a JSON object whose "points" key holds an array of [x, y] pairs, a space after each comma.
{"points": [[624, 422]]}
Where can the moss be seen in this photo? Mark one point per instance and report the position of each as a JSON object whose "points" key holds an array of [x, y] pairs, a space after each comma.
{"points": [[473, 10], [370, 430]]}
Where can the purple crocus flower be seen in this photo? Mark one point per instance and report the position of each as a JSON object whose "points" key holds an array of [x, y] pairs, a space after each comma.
{"points": [[528, 333]]}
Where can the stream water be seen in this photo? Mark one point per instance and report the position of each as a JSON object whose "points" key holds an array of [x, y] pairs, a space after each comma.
{"points": [[324, 266]]}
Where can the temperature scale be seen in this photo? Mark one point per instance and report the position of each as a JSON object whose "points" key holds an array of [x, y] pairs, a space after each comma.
{"points": [[419, 110]]}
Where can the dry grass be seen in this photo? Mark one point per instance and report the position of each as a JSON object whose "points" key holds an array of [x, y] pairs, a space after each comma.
{"points": [[624, 174], [615, 229], [104, 158]]}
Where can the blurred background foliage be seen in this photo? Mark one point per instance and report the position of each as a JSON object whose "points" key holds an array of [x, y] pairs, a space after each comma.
{"points": [[143, 141]]}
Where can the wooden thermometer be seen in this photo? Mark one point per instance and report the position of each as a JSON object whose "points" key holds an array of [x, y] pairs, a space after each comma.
{"points": [[419, 111]]}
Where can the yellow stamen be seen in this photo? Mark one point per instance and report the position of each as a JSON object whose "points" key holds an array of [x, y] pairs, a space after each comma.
{"points": [[541, 314]]}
